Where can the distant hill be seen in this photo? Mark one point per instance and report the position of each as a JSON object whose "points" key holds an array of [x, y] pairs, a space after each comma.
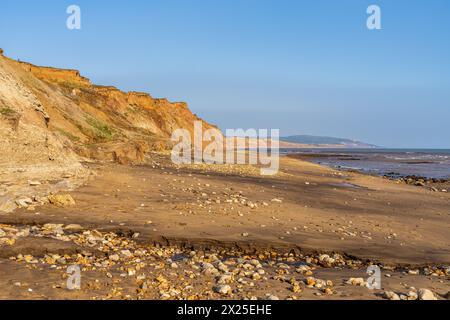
{"points": [[326, 141]]}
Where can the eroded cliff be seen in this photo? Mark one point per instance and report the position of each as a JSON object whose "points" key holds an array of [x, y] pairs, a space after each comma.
{"points": [[53, 119]]}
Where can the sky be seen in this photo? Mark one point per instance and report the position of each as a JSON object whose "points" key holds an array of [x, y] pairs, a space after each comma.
{"points": [[304, 67]]}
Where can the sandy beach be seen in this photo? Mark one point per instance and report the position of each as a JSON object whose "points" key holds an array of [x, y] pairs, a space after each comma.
{"points": [[161, 231]]}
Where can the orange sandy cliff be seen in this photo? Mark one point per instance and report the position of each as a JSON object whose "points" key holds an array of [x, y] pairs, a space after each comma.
{"points": [[86, 120]]}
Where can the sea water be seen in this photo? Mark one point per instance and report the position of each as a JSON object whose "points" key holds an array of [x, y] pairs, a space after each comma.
{"points": [[430, 163]]}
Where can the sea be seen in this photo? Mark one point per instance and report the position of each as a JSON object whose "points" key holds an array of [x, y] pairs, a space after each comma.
{"points": [[429, 163]]}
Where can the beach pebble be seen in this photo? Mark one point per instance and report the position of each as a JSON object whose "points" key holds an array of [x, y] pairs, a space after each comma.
{"points": [[328, 291], [390, 295], [73, 227], [324, 258], [222, 289], [225, 278], [310, 281], [256, 276], [222, 267], [425, 294], [296, 288], [114, 257], [61, 200], [208, 268], [356, 282], [23, 203], [412, 295], [126, 253]]}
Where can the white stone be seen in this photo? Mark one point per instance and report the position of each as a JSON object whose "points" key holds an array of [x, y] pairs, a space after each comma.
{"points": [[425, 294], [114, 257], [356, 282], [225, 278], [223, 289], [390, 295]]}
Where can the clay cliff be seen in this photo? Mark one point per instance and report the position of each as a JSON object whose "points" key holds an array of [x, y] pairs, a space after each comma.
{"points": [[90, 120], [53, 119]]}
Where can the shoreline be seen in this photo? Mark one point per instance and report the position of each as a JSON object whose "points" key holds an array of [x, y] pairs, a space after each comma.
{"points": [[411, 179]]}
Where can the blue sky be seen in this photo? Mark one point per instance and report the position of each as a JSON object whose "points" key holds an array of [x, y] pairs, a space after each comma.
{"points": [[305, 67]]}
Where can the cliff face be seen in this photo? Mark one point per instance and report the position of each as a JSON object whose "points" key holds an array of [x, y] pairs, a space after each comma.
{"points": [[85, 119], [53, 119]]}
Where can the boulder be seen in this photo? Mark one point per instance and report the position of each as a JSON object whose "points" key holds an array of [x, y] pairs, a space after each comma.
{"points": [[425, 294], [61, 200]]}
